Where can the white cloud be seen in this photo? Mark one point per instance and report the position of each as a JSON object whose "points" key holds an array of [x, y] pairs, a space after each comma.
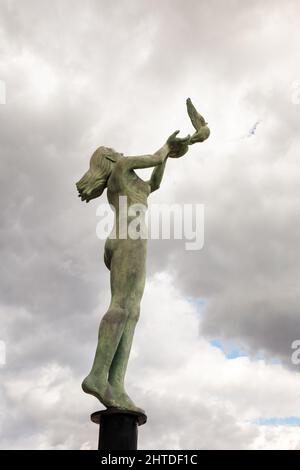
{"points": [[194, 396], [119, 75]]}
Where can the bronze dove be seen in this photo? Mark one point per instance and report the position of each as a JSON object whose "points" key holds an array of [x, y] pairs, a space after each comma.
{"points": [[202, 131]]}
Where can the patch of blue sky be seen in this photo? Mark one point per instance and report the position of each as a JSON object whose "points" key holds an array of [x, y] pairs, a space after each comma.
{"points": [[230, 350], [276, 421], [233, 351]]}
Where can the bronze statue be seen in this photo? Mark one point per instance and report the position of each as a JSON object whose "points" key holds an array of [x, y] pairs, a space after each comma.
{"points": [[125, 257]]}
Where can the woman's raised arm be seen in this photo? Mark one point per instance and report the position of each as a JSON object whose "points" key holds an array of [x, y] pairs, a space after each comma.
{"points": [[145, 161], [174, 147], [157, 176]]}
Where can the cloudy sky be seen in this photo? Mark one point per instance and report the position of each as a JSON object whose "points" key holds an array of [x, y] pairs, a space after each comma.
{"points": [[211, 361]]}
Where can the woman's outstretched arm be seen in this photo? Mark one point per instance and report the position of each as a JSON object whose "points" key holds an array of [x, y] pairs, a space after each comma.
{"points": [[145, 161], [174, 147]]}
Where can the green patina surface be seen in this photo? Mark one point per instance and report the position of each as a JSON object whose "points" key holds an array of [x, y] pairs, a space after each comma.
{"points": [[125, 258]]}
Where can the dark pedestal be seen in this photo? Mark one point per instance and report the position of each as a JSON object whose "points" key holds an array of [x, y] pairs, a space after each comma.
{"points": [[118, 429]]}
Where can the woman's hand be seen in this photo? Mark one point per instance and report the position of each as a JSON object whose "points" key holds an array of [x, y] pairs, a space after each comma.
{"points": [[177, 147]]}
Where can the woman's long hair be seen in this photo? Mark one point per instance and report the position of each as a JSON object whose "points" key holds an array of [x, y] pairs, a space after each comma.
{"points": [[94, 181]]}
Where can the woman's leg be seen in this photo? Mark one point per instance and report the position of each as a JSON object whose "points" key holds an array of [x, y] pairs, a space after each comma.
{"points": [[118, 367], [127, 285], [110, 332], [120, 361], [119, 364]]}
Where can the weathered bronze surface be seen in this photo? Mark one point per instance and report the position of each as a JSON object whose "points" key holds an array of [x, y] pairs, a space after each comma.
{"points": [[125, 257]]}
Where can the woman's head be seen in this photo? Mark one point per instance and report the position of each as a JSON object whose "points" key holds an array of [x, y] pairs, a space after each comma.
{"points": [[94, 181]]}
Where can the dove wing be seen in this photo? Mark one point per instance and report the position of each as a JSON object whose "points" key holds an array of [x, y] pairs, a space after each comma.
{"points": [[197, 120]]}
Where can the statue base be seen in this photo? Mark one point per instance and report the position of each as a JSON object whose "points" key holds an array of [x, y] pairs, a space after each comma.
{"points": [[118, 428]]}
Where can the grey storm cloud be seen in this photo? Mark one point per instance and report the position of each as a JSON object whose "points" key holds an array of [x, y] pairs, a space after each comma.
{"points": [[83, 74]]}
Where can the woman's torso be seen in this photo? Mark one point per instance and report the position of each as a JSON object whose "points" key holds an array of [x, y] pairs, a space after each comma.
{"points": [[128, 195]]}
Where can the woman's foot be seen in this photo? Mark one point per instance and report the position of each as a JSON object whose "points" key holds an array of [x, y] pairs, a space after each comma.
{"points": [[100, 389], [123, 401]]}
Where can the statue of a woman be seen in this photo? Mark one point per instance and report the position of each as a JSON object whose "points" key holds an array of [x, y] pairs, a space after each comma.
{"points": [[125, 257]]}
